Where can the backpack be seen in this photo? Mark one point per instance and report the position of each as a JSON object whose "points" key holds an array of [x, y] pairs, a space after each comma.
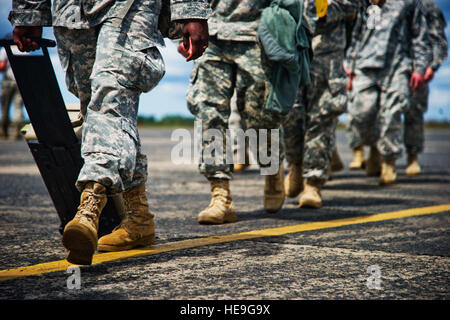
{"points": [[286, 40]]}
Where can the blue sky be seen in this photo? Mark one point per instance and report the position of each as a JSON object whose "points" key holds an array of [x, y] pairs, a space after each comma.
{"points": [[169, 96]]}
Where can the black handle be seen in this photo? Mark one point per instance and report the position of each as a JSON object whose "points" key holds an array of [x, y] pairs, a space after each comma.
{"points": [[40, 41]]}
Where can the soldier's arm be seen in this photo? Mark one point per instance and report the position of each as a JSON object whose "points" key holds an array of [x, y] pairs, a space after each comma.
{"points": [[420, 39], [31, 13], [337, 9], [28, 17], [354, 45], [420, 45], [436, 27]]}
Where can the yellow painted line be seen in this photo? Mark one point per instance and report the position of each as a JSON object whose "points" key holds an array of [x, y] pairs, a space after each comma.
{"points": [[192, 243]]}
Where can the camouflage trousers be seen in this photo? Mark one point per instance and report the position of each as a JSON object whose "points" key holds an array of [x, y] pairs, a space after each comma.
{"points": [[309, 128], [227, 68], [375, 112], [10, 95], [108, 69], [414, 127]]}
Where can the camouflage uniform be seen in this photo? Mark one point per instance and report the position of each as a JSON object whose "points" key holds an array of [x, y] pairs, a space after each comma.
{"points": [[108, 50], [414, 124], [10, 94], [315, 113], [233, 63], [382, 60]]}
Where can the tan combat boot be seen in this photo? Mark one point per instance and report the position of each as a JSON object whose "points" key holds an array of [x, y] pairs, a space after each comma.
{"points": [[336, 162], [413, 167], [373, 163], [17, 133], [358, 158], [80, 234], [274, 194], [136, 229], [293, 183], [388, 174], [311, 197], [239, 167], [221, 209]]}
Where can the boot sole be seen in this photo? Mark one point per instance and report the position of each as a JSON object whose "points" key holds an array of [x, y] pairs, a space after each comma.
{"points": [[309, 203], [143, 242], [228, 218], [80, 243], [387, 182], [274, 209], [354, 166]]}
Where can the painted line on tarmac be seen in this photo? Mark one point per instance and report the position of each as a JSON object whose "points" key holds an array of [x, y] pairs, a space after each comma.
{"points": [[62, 265]]}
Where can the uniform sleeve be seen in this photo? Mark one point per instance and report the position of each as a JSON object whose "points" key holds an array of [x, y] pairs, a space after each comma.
{"points": [[343, 9], [337, 9], [420, 38], [436, 26], [31, 13], [189, 9], [354, 40]]}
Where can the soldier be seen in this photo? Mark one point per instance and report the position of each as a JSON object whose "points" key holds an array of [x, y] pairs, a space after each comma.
{"points": [[236, 123], [389, 54], [10, 94], [322, 102], [108, 50], [233, 62], [413, 117]]}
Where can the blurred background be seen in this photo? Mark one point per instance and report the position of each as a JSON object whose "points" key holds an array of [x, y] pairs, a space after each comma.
{"points": [[167, 100]]}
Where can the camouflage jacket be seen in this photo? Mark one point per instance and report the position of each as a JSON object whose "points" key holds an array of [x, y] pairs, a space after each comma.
{"points": [[329, 32], [396, 38], [83, 14], [236, 19], [436, 28], [329, 40]]}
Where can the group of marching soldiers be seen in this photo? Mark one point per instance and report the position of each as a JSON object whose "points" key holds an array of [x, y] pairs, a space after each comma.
{"points": [[372, 59]]}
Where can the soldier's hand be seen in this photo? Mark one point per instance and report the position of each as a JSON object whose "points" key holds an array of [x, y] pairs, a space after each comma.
{"points": [[195, 38], [350, 77], [417, 81], [22, 37], [349, 85], [429, 74]]}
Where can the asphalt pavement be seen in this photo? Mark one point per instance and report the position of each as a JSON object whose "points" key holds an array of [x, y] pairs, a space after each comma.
{"points": [[305, 255]]}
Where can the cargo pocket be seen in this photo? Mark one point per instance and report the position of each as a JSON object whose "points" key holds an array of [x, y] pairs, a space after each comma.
{"points": [[141, 70], [192, 90], [130, 129], [339, 97]]}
